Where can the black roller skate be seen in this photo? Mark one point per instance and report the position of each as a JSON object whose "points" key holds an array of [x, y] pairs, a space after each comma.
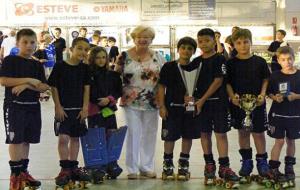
{"points": [[113, 170], [277, 180], [29, 181], [210, 174], [97, 175], [183, 170], [228, 178], [81, 176], [289, 170], [63, 179], [168, 170], [245, 171]]}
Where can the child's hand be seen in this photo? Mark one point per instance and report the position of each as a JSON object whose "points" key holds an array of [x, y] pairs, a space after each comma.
{"points": [[163, 112], [188, 99], [17, 90], [82, 115], [43, 60], [292, 96], [260, 100], [278, 98], [236, 100], [42, 87], [60, 113], [199, 104], [103, 101]]}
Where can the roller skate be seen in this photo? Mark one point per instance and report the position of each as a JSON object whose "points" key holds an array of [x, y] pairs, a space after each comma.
{"points": [[290, 175], [264, 172], [81, 176], [97, 175], [168, 170], [63, 179], [113, 170], [277, 180], [29, 181], [228, 178], [183, 170], [210, 174], [15, 182], [245, 171]]}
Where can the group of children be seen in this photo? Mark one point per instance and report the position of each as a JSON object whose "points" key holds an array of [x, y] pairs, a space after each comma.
{"points": [[216, 93], [76, 88], [195, 99]]}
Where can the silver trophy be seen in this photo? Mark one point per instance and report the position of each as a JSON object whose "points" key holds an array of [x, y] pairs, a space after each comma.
{"points": [[248, 104], [190, 80]]}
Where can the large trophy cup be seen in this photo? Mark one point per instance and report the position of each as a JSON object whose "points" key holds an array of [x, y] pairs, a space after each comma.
{"points": [[248, 104]]}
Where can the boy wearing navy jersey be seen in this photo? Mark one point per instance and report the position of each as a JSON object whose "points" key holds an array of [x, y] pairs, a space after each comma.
{"points": [[284, 115], [177, 123], [212, 107], [248, 74], [70, 86], [24, 79]]}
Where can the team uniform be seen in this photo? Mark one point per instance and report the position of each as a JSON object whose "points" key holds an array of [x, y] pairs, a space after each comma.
{"points": [[70, 81], [246, 76], [178, 123], [284, 119], [22, 114]]}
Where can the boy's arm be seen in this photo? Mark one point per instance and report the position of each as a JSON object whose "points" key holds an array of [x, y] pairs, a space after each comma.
{"points": [[86, 97], [230, 91], [11, 82], [215, 85], [55, 97], [264, 87], [161, 101]]}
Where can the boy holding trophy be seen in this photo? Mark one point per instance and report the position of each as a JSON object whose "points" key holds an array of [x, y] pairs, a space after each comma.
{"points": [[247, 76], [212, 108], [178, 122], [284, 115]]}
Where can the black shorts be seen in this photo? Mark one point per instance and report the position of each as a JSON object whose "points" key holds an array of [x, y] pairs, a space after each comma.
{"points": [[71, 125], [258, 116], [23, 123], [214, 116], [280, 127], [99, 121], [179, 125]]}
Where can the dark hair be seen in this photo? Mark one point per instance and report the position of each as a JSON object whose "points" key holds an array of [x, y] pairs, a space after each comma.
{"points": [[206, 32], [285, 50], [112, 39], [1, 33], [241, 33], [77, 40], [82, 28], [217, 32], [283, 32], [95, 37], [97, 32], [187, 41], [92, 57], [26, 32], [58, 29]]}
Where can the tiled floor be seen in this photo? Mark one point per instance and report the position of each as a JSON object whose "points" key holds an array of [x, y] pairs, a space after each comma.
{"points": [[44, 161]]}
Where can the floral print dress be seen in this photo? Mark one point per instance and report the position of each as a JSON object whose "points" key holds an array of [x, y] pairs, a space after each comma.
{"points": [[140, 80]]}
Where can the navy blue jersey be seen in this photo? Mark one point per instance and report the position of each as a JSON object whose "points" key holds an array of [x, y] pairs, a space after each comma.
{"points": [[246, 75], [19, 67], [212, 68], [284, 83], [70, 81]]}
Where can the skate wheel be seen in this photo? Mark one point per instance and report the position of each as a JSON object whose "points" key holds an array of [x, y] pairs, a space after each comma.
{"points": [[219, 182], [228, 185], [277, 186], [268, 184]]}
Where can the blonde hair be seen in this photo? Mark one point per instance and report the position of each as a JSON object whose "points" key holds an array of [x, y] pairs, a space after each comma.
{"points": [[140, 29], [285, 50]]}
